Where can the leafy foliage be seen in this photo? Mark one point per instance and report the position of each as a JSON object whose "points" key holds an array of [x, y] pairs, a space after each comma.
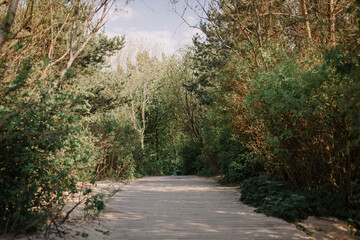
{"points": [[94, 204], [118, 145], [305, 129], [45, 148], [281, 97], [191, 155], [280, 199], [44, 152]]}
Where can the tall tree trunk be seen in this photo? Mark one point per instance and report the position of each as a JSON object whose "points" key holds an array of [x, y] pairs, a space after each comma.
{"points": [[7, 22], [142, 136], [305, 15], [157, 145], [332, 23], [143, 119]]}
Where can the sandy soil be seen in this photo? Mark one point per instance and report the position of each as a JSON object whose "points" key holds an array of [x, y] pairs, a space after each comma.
{"points": [[106, 188], [328, 228]]}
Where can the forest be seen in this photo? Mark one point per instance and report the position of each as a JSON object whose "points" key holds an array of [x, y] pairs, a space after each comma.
{"points": [[268, 98]]}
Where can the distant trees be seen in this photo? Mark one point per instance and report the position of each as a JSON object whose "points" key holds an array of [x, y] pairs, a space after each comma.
{"points": [[127, 103], [142, 84]]}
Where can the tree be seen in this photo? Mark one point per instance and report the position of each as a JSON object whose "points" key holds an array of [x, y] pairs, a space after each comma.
{"points": [[58, 40], [44, 148], [142, 84], [141, 75]]}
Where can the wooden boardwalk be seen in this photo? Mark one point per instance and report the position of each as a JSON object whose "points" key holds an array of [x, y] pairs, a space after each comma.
{"points": [[187, 207]]}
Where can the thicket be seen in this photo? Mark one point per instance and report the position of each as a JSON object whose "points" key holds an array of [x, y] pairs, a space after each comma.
{"points": [[281, 199], [276, 85], [45, 149], [44, 152], [309, 133]]}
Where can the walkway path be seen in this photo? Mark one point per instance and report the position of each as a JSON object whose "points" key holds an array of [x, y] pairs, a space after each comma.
{"points": [[187, 207]]}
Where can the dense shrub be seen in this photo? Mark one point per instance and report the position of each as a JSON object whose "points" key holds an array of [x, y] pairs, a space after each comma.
{"points": [[160, 161], [307, 129], [191, 156], [269, 197], [118, 145], [281, 199], [235, 159], [44, 152], [245, 166], [162, 137]]}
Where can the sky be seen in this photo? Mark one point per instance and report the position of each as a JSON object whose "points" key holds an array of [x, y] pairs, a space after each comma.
{"points": [[156, 22]]}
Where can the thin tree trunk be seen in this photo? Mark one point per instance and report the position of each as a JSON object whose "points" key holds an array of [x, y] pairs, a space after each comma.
{"points": [[305, 14], [258, 28], [332, 23], [73, 54], [157, 145], [143, 120], [271, 24], [142, 141]]}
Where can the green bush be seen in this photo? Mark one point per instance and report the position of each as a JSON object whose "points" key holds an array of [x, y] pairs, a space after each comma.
{"points": [[159, 166], [273, 198], [244, 167], [191, 156], [280, 199], [235, 159], [44, 151], [309, 132], [118, 145], [354, 201], [94, 204]]}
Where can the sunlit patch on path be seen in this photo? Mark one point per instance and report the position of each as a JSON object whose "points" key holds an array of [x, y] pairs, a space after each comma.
{"points": [[187, 207]]}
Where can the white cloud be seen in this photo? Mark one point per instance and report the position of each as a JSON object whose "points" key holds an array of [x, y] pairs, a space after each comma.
{"points": [[169, 36], [123, 13]]}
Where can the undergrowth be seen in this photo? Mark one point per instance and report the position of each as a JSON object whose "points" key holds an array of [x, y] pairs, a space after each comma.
{"points": [[280, 199]]}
